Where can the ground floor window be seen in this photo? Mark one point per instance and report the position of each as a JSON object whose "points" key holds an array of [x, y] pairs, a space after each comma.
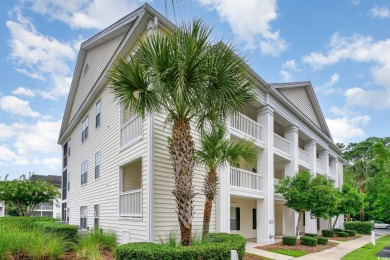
{"points": [[254, 218], [234, 218], [83, 217], [96, 210]]}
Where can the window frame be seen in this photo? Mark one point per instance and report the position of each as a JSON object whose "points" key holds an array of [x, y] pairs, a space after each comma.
{"points": [[84, 172], [97, 165], [83, 217], [237, 213], [98, 110], [96, 215], [84, 129]]}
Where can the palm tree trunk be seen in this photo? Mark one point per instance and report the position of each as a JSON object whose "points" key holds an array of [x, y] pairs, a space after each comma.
{"points": [[182, 150], [362, 208], [210, 190]]}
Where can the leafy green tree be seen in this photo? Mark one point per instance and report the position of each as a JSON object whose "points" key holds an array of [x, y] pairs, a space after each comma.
{"points": [[381, 205], [26, 196], [216, 150], [193, 81], [323, 197], [296, 191]]}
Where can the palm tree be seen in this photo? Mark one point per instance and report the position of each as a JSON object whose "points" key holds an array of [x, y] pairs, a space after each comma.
{"points": [[216, 150], [194, 82]]}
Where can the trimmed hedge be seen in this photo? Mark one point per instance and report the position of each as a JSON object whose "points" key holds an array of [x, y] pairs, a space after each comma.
{"points": [[311, 234], [338, 230], [359, 227], [216, 246], [309, 241], [342, 234], [24, 223], [68, 232], [351, 233], [289, 240], [327, 233], [322, 240]]}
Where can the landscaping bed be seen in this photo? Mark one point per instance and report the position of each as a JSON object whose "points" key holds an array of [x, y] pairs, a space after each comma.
{"points": [[298, 247], [248, 256], [344, 239]]}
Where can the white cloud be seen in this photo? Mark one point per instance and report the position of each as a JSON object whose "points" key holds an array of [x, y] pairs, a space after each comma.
{"points": [[380, 12], [333, 80], [6, 132], [95, 14], [345, 129], [24, 92], [251, 22], [286, 76], [367, 98], [53, 162], [17, 106], [290, 65], [8, 156]]}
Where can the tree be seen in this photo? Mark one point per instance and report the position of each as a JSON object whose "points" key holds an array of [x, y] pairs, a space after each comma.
{"points": [[26, 196], [184, 75], [296, 191], [216, 150], [323, 197]]}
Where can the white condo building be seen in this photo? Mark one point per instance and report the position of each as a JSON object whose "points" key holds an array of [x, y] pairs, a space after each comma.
{"points": [[117, 171]]}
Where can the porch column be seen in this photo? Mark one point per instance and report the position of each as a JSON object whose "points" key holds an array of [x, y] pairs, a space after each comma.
{"points": [[222, 205], [311, 148], [265, 207], [324, 157], [290, 216]]}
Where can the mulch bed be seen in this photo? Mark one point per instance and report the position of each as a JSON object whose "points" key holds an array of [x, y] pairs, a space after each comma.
{"points": [[344, 238], [299, 247], [107, 255], [248, 256]]}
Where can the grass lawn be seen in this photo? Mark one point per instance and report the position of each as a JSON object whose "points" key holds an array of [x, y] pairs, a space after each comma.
{"points": [[368, 251], [294, 253]]}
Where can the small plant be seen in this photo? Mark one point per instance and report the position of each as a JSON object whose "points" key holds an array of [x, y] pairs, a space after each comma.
{"points": [[170, 240], [311, 234], [337, 230], [342, 234], [351, 233], [91, 244], [289, 240], [359, 227], [322, 240], [327, 233], [309, 241]]}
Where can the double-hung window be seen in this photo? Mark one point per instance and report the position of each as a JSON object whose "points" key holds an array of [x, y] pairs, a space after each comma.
{"points": [[97, 165], [83, 217], [98, 109], [84, 126], [234, 218], [96, 213], [84, 172]]}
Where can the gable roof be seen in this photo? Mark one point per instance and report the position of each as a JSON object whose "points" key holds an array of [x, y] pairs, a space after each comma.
{"points": [[56, 180], [301, 95]]}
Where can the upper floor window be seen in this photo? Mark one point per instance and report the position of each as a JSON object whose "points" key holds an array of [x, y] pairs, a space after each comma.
{"points": [[97, 165], [98, 109], [84, 133], [84, 172], [69, 147]]}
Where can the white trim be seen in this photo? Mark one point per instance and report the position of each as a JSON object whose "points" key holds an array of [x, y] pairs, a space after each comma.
{"points": [[149, 163]]}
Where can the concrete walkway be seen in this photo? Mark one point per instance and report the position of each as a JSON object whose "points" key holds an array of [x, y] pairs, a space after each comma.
{"points": [[334, 253]]}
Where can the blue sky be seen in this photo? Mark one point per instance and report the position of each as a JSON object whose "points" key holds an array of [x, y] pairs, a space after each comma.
{"points": [[342, 47]]}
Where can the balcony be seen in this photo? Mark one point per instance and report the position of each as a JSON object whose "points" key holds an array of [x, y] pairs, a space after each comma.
{"points": [[304, 158], [46, 206], [281, 146], [130, 204], [320, 166], [245, 183], [131, 131], [242, 126], [332, 171]]}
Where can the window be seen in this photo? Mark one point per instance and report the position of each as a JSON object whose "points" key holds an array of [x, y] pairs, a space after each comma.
{"points": [[98, 108], [64, 181], [96, 213], [254, 218], [84, 172], [64, 217], [68, 184], [84, 133], [83, 217], [65, 155], [97, 165], [234, 218], [69, 147]]}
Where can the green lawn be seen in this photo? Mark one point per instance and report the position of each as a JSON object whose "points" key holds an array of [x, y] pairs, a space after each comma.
{"points": [[294, 253], [368, 251]]}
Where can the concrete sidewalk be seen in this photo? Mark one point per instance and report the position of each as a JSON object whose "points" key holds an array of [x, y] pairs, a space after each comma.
{"points": [[334, 253]]}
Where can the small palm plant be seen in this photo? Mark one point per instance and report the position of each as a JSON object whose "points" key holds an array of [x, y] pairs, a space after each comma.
{"points": [[215, 150]]}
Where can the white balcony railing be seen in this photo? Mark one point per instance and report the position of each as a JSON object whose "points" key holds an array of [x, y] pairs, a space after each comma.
{"points": [[245, 179], [46, 206], [276, 182], [281, 144], [332, 170], [320, 165], [131, 131], [247, 126], [303, 156], [130, 203]]}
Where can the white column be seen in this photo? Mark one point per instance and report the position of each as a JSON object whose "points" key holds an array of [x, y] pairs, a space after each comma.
{"points": [[265, 207], [311, 148], [324, 157], [290, 216]]}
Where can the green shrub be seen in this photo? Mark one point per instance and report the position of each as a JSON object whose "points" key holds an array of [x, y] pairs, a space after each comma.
{"points": [[311, 234], [351, 233], [22, 223], [327, 233], [338, 230], [322, 240], [342, 234], [309, 241], [68, 232], [289, 240], [359, 227], [216, 246]]}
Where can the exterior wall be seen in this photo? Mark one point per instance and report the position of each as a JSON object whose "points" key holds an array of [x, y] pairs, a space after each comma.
{"points": [[97, 59], [246, 216], [105, 190]]}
